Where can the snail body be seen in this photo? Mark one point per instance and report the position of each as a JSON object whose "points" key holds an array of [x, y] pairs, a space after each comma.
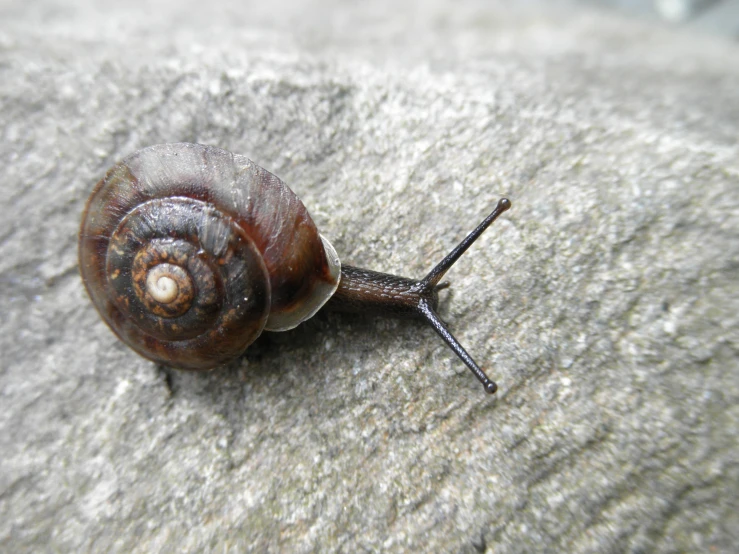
{"points": [[189, 252]]}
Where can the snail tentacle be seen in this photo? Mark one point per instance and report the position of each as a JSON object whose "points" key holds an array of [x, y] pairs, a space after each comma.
{"points": [[367, 291]]}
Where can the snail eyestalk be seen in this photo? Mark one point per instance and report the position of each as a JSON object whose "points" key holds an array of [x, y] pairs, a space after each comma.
{"points": [[435, 275], [443, 266], [439, 326], [367, 291]]}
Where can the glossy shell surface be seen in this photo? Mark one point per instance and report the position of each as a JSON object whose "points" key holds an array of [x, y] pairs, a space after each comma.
{"points": [[188, 252]]}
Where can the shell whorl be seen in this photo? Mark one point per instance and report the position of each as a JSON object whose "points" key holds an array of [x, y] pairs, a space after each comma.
{"points": [[189, 252]]}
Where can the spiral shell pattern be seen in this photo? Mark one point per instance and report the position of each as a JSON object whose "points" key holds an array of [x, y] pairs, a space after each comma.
{"points": [[188, 252]]}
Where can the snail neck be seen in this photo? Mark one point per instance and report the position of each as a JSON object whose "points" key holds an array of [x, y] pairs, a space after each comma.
{"points": [[371, 292]]}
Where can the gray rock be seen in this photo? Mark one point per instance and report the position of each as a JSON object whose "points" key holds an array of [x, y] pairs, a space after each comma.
{"points": [[604, 303]]}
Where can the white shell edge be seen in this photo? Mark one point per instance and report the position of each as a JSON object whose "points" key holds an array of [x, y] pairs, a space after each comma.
{"points": [[324, 291]]}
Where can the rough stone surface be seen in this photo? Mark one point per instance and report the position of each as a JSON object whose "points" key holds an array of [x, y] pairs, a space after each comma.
{"points": [[606, 303]]}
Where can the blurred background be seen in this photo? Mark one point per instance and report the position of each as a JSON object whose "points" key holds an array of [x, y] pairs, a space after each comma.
{"points": [[710, 16]]}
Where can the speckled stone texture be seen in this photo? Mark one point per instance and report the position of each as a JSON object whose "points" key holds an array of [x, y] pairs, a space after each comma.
{"points": [[605, 303]]}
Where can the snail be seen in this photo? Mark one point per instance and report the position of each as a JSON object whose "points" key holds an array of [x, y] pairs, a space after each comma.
{"points": [[189, 252]]}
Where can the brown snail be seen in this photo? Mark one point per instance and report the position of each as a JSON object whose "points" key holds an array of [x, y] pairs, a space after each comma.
{"points": [[189, 252]]}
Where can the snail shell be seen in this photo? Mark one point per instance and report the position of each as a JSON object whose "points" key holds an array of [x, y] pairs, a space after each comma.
{"points": [[188, 252]]}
